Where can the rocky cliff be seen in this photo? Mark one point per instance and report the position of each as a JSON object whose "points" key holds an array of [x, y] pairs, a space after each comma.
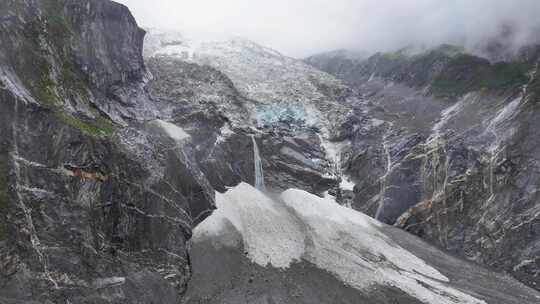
{"points": [[112, 164], [454, 159], [98, 198]]}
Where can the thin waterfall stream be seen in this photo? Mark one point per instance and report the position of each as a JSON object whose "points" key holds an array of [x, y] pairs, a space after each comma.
{"points": [[259, 173]]}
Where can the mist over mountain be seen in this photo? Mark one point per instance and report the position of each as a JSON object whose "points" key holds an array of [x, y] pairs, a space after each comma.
{"points": [[305, 27]]}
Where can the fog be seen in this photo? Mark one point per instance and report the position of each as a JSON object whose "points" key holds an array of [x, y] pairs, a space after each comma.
{"points": [[301, 28]]}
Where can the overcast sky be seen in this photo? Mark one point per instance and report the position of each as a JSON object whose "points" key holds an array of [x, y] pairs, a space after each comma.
{"points": [[300, 28]]}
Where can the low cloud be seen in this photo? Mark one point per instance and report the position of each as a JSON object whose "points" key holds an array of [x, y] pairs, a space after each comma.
{"points": [[303, 27]]}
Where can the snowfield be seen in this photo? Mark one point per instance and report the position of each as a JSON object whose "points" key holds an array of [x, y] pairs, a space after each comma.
{"points": [[277, 232], [271, 234]]}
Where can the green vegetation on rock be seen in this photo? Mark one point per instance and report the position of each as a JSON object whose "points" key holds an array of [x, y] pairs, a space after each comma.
{"points": [[72, 81], [448, 70], [450, 50], [46, 65], [399, 55], [466, 73], [98, 127], [58, 28]]}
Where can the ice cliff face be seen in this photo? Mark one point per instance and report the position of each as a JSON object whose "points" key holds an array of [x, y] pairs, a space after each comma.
{"points": [[275, 84], [292, 108]]}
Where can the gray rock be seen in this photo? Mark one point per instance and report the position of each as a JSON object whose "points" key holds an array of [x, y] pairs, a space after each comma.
{"points": [[91, 212], [458, 171]]}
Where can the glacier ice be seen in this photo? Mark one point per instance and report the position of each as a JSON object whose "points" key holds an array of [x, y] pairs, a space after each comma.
{"points": [[297, 225]]}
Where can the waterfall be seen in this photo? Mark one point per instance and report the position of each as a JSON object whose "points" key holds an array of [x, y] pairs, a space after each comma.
{"points": [[383, 179], [259, 173]]}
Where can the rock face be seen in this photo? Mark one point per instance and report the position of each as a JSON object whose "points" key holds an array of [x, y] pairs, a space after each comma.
{"points": [[452, 159], [91, 212], [109, 160], [234, 88]]}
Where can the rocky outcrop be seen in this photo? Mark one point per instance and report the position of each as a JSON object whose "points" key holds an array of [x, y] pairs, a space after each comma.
{"points": [[96, 204], [446, 161], [446, 71]]}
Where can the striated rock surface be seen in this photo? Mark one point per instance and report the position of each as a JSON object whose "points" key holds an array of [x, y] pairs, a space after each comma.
{"points": [[96, 203], [109, 160], [452, 157]]}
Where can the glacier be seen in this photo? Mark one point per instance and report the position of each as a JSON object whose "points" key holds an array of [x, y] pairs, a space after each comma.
{"points": [[294, 226]]}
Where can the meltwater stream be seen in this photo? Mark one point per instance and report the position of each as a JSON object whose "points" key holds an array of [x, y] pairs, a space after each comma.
{"points": [[259, 173]]}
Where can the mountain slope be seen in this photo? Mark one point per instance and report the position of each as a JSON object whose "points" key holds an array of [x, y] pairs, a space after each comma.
{"points": [[450, 160], [390, 148], [96, 203], [300, 248], [109, 160], [293, 108], [264, 76]]}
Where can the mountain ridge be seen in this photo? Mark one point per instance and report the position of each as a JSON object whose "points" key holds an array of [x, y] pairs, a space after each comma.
{"points": [[453, 149]]}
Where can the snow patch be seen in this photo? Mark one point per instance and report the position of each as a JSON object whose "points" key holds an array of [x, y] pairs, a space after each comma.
{"points": [[299, 157], [333, 152], [301, 226], [225, 133], [215, 229], [269, 232], [376, 122], [450, 112], [351, 245], [109, 282], [346, 184], [344, 242], [498, 127], [10, 82], [507, 112], [173, 131]]}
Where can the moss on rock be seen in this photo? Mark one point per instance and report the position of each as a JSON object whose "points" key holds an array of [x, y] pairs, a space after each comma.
{"points": [[45, 61], [57, 27], [466, 73], [98, 127]]}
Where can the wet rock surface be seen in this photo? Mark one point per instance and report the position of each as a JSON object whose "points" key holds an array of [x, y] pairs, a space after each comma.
{"points": [[447, 169], [109, 160], [92, 212], [219, 91]]}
